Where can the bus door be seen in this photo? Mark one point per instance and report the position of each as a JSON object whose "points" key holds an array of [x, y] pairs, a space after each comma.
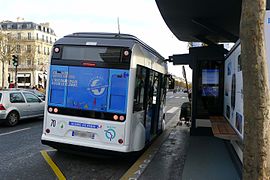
{"points": [[155, 104], [152, 104], [161, 99], [149, 104]]}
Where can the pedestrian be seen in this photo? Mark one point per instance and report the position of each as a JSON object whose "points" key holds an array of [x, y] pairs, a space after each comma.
{"points": [[11, 85], [41, 89]]}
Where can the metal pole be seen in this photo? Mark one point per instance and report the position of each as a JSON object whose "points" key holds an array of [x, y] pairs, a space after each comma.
{"points": [[184, 74], [16, 84]]}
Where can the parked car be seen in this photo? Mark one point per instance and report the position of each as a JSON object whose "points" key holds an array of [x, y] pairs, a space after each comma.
{"points": [[41, 95], [17, 104]]}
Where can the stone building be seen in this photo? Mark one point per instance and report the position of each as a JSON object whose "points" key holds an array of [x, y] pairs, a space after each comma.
{"points": [[32, 43]]}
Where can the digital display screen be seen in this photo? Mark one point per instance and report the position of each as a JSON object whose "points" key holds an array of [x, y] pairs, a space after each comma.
{"points": [[210, 91], [95, 89], [101, 54], [210, 76], [210, 81]]}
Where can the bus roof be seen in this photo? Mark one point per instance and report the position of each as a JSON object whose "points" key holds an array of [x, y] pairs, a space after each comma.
{"points": [[104, 39]]}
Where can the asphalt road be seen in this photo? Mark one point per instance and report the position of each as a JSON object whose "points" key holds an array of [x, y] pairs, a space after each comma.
{"points": [[21, 158]]}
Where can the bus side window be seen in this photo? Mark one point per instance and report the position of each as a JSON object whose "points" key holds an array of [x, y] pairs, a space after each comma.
{"points": [[139, 89]]}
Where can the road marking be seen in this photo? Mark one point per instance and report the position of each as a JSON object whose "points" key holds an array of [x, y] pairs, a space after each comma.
{"points": [[177, 97], [54, 167], [172, 110], [51, 150], [11, 132], [137, 169], [171, 96]]}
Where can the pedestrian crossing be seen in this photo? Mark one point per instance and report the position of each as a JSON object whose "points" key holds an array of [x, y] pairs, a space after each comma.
{"points": [[176, 97], [172, 110]]}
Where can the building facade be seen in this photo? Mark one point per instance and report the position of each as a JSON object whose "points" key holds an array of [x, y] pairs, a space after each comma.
{"points": [[32, 43]]}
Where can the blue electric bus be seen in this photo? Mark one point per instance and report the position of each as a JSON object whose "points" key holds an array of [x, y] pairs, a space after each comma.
{"points": [[105, 91]]}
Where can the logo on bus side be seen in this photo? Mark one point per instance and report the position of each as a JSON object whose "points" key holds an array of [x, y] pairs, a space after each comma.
{"points": [[110, 134], [97, 86]]}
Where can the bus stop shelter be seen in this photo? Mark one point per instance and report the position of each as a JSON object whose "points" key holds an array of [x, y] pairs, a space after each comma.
{"points": [[210, 22]]}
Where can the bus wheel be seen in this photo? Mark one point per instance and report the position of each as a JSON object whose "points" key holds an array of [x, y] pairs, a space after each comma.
{"points": [[12, 118]]}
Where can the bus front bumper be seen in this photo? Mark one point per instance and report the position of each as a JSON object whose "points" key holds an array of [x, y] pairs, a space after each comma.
{"points": [[63, 143]]}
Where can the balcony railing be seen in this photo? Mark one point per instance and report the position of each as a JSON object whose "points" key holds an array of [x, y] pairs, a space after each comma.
{"points": [[25, 66]]}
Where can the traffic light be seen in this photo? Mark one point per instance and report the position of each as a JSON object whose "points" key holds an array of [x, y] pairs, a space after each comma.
{"points": [[15, 60], [171, 81]]}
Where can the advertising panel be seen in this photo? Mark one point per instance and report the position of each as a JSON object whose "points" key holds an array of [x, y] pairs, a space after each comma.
{"points": [[267, 39], [233, 90], [94, 89], [233, 82]]}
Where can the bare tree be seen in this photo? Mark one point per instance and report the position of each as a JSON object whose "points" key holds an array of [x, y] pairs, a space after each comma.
{"points": [[10, 45], [5, 54], [256, 163]]}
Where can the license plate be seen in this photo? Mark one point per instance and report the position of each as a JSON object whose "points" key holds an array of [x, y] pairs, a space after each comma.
{"points": [[83, 134]]}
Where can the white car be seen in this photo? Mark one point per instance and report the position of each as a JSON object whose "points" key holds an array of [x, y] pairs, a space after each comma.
{"points": [[16, 104]]}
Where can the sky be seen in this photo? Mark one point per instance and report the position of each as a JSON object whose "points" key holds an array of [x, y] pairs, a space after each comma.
{"points": [[140, 18]]}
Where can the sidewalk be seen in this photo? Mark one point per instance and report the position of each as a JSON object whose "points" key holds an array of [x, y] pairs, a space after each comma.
{"points": [[186, 157]]}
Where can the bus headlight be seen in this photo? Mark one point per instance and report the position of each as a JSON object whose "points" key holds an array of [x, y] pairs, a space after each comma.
{"points": [[115, 117], [55, 110], [122, 118]]}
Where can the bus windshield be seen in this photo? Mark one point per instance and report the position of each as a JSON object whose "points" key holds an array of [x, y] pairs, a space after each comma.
{"points": [[89, 89]]}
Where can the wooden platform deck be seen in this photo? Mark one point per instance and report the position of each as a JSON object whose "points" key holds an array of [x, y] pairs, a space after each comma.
{"points": [[222, 129]]}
